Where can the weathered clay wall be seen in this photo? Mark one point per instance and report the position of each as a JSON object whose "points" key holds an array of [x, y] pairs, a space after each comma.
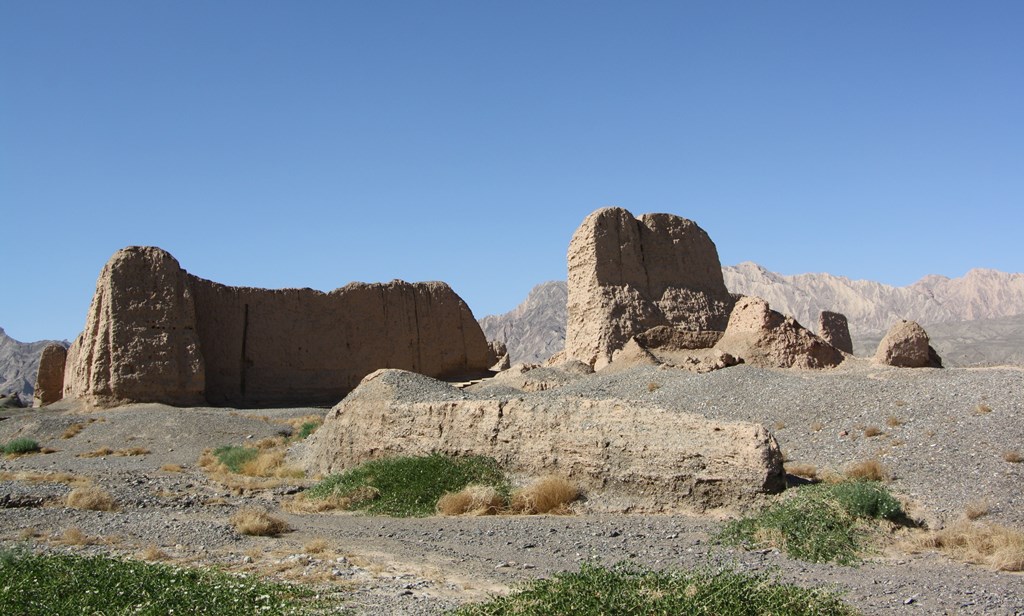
{"points": [[266, 346], [139, 343], [157, 334], [626, 457], [50, 375], [627, 275]]}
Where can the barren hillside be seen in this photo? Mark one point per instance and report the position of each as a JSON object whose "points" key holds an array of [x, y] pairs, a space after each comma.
{"points": [[19, 362]]}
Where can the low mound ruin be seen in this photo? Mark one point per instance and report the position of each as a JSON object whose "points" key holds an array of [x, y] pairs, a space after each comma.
{"points": [[906, 345], [766, 338], [156, 333], [627, 457]]}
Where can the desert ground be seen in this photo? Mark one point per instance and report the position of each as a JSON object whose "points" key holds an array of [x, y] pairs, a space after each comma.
{"points": [[944, 435]]}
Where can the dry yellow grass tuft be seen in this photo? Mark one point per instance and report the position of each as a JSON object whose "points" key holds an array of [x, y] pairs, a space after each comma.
{"points": [[816, 426], [807, 471], [982, 408], [778, 425], [122, 453], [39, 477], [1013, 457], [551, 494], [97, 453], [302, 504], [75, 536], [872, 431], [270, 463], [152, 553], [652, 386], [315, 546], [297, 422], [996, 546], [471, 500], [91, 497], [894, 421], [132, 451], [872, 470], [977, 509], [251, 521], [266, 471], [73, 430], [172, 468]]}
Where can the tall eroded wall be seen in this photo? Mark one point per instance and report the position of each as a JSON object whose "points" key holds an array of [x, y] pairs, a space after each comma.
{"points": [[628, 275], [158, 334], [265, 346]]}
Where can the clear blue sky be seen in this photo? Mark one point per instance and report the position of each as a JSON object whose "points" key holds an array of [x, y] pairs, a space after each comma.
{"points": [[278, 144]]}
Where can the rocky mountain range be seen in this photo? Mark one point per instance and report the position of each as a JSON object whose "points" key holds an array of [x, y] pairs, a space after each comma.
{"points": [[873, 306], [534, 328], [974, 319], [18, 364]]}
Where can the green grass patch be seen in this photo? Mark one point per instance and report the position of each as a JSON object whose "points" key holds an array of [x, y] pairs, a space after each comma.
{"points": [[307, 428], [627, 589], [408, 486], [20, 446], [71, 584], [818, 523], [235, 457]]}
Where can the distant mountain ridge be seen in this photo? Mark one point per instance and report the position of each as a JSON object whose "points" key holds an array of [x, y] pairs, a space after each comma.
{"points": [[19, 362], [873, 306], [536, 328]]}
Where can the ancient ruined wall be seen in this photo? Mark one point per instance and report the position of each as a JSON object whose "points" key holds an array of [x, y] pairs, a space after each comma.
{"points": [[139, 343], [157, 334], [627, 275], [50, 375], [627, 457], [267, 346]]}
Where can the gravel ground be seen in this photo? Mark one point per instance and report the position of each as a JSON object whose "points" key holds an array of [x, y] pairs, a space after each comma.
{"points": [[944, 454]]}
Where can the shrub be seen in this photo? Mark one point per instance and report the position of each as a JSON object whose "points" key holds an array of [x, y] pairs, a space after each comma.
{"points": [[996, 546], [234, 457], [75, 536], [307, 428], [20, 446], [70, 584], [627, 589], [870, 470], [893, 421], [91, 497], [73, 430], [1013, 457], [315, 546], [982, 408], [807, 471], [977, 509], [818, 523], [872, 431], [251, 521], [97, 453], [551, 494], [475, 500], [153, 552], [406, 486]]}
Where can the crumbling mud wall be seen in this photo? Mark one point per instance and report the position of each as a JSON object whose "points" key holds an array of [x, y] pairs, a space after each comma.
{"points": [[155, 333]]}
